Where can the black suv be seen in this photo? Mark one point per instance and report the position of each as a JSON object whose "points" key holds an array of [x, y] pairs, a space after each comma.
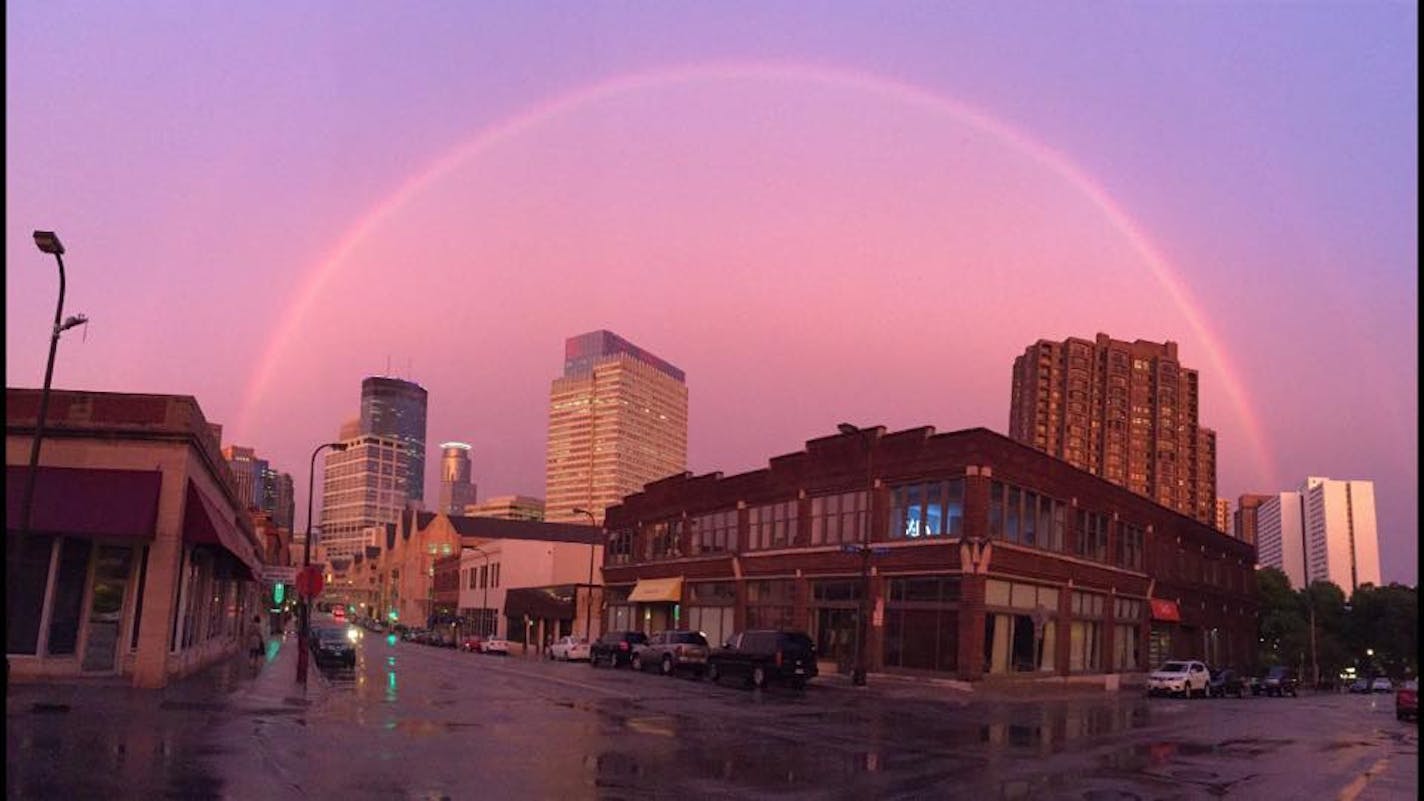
{"points": [[758, 657], [1280, 681], [615, 648], [1224, 682]]}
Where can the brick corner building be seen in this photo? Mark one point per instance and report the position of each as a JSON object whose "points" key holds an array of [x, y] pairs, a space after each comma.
{"points": [[1125, 411], [983, 557]]}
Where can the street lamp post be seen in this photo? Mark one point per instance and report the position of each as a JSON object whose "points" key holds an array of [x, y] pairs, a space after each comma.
{"points": [[588, 612], [857, 676], [47, 242], [304, 629]]}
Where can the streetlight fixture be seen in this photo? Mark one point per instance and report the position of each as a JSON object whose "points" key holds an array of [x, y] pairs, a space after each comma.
{"points": [[857, 676], [588, 613], [47, 242], [304, 630]]}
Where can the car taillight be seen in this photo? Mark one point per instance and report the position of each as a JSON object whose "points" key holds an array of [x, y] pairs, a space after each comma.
{"points": [[778, 659], [622, 646]]}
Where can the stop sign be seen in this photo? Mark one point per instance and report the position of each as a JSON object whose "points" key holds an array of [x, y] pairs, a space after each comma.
{"points": [[310, 581]]}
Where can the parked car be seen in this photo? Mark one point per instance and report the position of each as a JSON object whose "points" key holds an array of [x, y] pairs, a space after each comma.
{"points": [[1360, 686], [762, 656], [332, 646], [1224, 682], [1406, 700], [495, 645], [473, 644], [615, 648], [1381, 684], [569, 649], [1187, 677], [669, 651], [1280, 681]]}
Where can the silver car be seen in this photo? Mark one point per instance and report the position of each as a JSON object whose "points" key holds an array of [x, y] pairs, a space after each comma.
{"points": [[669, 651]]}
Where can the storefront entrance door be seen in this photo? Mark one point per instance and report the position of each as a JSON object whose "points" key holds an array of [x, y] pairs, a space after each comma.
{"points": [[112, 568]]}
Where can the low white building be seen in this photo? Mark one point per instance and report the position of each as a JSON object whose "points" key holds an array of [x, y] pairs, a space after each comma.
{"points": [[529, 589]]}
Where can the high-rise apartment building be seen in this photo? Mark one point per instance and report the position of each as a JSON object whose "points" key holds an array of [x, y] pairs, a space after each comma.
{"points": [[1125, 411], [508, 507], [456, 489], [1243, 520], [363, 488], [617, 420], [1223, 515], [392, 407], [1325, 531]]}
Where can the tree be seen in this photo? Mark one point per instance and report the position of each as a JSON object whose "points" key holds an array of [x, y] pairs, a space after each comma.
{"points": [[1282, 631], [1385, 620]]}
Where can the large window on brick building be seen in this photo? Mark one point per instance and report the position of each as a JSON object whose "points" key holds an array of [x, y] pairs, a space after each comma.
{"points": [[1092, 536], [1130, 540], [1127, 627], [710, 607], [927, 509], [620, 547], [770, 603], [1085, 633], [1013, 642], [714, 533], [772, 525], [663, 539], [1026, 517], [837, 518]]}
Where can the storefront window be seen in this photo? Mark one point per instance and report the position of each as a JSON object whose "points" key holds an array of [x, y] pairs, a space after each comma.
{"points": [[715, 622], [922, 623], [769, 604], [68, 596], [24, 596], [1085, 633], [1012, 643]]}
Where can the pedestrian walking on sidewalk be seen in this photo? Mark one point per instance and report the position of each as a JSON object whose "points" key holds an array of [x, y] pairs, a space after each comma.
{"points": [[256, 643]]}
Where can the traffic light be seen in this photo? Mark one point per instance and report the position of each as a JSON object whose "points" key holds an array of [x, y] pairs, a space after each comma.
{"points": [[279, 591]]}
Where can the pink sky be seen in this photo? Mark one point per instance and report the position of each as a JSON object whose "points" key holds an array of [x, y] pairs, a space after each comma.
{"points": [[809, 248]]}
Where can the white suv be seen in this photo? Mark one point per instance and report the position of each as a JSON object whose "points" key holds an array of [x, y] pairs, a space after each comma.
{"points": [[1187, 677]]}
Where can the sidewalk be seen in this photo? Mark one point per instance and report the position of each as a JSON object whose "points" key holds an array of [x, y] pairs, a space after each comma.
{"points": [[945, 690], [103, 738], [213, 688]]}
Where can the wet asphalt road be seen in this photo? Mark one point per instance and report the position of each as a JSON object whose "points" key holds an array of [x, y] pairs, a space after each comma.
{"points": [[415, 722]]}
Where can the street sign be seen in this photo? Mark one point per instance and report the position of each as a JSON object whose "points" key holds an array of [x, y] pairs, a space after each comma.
{"points": [[279, 574], [310, 581], [850, 549]]}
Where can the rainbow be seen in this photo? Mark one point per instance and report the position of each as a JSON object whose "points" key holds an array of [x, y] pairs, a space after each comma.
{"points": [[518, 124]]}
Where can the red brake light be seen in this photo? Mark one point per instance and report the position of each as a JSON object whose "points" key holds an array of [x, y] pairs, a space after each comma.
{"points": [[622, 646], [778, 659]]}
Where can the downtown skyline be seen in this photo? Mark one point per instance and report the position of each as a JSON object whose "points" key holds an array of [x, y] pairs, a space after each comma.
{"points": [[863, 218]]}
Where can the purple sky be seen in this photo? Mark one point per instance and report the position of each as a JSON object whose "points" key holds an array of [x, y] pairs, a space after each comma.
{"points": [[821, 213]]}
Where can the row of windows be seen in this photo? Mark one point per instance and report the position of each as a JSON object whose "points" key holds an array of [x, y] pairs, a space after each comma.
{"points": [[485, 576]]}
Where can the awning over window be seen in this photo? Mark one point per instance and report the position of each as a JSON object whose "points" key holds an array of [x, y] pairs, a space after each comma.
{"points": [[205, 524], [663, 590], [85, 501], [1163, 609]]}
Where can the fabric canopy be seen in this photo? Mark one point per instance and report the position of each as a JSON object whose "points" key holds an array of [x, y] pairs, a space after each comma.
{"points": [[204, 524], [85, 501], [1163, 609], [663, 590]]}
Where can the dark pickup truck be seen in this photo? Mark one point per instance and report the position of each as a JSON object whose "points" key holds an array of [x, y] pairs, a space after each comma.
{"points": [[759, 657]]}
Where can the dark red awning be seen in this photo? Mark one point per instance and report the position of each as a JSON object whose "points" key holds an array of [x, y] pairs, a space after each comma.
{"points": [[1163, 609], [205, 524], [85, 500]]}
